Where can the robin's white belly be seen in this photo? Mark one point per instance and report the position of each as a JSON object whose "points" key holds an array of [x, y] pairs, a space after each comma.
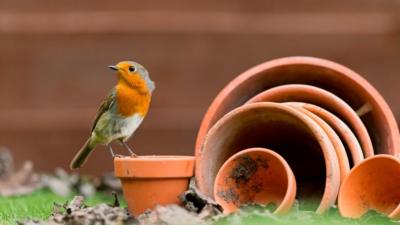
{"points": [[111, 127], [129, 125]]}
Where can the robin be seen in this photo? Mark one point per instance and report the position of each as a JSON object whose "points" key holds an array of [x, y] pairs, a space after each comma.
{"points": [[122, 111]]}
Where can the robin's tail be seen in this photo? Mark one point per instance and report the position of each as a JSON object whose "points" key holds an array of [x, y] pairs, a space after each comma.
{"points": [[82, 155]]}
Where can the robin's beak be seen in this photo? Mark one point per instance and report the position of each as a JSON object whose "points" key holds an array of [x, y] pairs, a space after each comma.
{"points": [[113, 67]]}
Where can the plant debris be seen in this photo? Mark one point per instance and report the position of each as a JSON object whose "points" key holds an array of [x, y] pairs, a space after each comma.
{"points": [[195, 201], [23, 181], [108, 182], [77, 213], [6, 165], [26, 181], [170, 215], [63, 184]]}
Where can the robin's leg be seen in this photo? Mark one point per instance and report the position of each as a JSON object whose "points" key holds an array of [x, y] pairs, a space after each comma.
{"points": [[129, 149], [111, 150]]}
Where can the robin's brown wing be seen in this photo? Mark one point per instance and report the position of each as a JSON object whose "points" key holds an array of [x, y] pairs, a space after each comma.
{"points": [[106, 105]]}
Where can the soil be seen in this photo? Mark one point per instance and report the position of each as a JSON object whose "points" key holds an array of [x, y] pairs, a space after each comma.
{"points": [[244, 170], [242, 174]]}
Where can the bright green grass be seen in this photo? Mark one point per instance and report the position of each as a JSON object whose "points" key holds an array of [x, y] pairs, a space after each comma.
{"points": [[299, 215], [38, 205]]}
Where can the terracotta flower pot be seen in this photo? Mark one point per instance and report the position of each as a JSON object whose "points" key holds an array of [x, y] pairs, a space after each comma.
{"points": [[344, 132], [151, 180], [341, 154], [325, 99], [373, 184], [295, 136], [333, 77], [255, 175]]}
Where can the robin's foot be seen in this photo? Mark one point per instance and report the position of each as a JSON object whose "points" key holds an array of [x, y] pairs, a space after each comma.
{"points": [[111, 150], [129, 149]]}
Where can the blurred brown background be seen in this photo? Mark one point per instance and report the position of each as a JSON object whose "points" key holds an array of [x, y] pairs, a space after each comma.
{"points": [[54, 56]]}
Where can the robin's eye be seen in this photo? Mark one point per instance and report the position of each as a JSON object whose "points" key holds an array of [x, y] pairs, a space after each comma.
{"points": [[132, 68]]}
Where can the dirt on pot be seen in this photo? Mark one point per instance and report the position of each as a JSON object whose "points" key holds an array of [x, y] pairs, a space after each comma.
{"points": [[244, 170], [242, 174]]}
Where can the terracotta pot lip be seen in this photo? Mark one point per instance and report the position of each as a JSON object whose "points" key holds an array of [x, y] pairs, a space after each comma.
{"points": [[372, 158], [154, 158], [357, 79], [386, 157], [344, 164], [291, 180], [356, 151], [154, 167]]}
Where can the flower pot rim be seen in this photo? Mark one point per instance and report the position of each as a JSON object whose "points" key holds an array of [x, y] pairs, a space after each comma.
{"points": [[344, 164], [152, 158], [342, 128], [290, 193], [157, 166]]}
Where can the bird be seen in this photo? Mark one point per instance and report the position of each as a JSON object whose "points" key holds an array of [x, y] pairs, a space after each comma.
{"points": [[121, 112]]}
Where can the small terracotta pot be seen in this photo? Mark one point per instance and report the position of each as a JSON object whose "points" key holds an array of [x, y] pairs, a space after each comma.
{"points": [[325, 99], [151, 180], [373, 184], [341, 154], [333, 77], [295, 136], [345, 133], [255, 175]]}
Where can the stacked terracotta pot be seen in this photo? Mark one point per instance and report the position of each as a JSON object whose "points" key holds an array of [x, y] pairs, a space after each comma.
{"points": [[294, 128]]}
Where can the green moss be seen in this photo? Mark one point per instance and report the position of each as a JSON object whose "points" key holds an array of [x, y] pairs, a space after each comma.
{"points": [[38, 205]]}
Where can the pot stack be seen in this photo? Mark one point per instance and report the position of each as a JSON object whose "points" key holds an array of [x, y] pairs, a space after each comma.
{"points": [[294, 128]]}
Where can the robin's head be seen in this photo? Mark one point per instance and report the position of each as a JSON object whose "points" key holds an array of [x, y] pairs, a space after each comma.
{"points": [[133, 74]]}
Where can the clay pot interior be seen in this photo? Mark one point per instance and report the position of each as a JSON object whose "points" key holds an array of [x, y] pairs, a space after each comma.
{"points": [[151, 180], [255, 175], [324, 99], [297, 138], [340, 150], [330, 76], [373, 184], [353, 147]]}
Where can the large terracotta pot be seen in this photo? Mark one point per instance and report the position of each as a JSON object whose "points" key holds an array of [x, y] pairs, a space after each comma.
{"points": [[373, 184], [151, 180], [333, 77], [255, 176], [295, 136], [325, 99]]}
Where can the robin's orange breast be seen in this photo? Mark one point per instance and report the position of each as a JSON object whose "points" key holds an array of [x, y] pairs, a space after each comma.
{"points": [[132, 100]]}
